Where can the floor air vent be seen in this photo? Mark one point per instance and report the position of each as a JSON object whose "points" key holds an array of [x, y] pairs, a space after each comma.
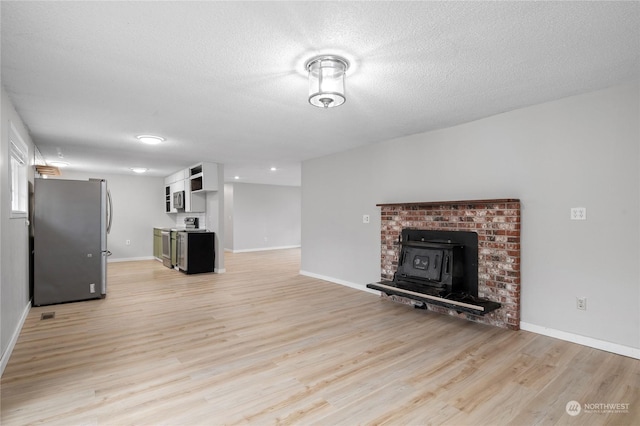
{"points": [[47, 315]]}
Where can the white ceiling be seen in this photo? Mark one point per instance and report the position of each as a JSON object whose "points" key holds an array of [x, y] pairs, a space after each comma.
{"points": [[224, 81]]}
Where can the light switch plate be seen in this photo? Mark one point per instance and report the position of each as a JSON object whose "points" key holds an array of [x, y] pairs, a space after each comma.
{"points": [[578, 213]]}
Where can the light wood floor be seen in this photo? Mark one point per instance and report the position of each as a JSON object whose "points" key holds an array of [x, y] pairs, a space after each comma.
{"points": [[261, 344]]}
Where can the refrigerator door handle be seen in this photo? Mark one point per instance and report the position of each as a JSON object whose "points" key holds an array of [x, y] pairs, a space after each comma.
{"points": [[110, 211]]}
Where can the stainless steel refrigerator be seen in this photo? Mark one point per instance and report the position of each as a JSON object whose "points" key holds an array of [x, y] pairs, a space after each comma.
{"points": [[70, 225]]}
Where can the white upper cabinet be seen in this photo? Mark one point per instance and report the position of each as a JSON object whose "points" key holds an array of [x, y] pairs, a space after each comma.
{"points": [[174, 183], [194, 202], [194, 181], [176, 177], [203, 177]]}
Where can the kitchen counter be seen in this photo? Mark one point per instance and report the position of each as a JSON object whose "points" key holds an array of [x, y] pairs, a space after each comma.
{"points": [[181, 229]]}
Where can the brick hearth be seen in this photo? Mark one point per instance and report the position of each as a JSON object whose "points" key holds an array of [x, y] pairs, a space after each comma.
{"points": [[497, 223]]}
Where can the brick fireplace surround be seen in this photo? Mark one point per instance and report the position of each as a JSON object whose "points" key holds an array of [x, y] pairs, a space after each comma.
{"points": [[497, 223]]}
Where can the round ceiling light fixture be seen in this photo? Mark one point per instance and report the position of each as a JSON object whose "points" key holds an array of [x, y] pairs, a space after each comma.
{"points": [[138, 170], [150, 139], [326, 80]]}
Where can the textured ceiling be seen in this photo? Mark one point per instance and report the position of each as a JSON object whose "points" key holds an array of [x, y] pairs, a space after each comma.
{"points": [[224, 81]]}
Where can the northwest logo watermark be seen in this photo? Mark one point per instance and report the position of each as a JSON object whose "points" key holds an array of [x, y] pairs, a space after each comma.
{"points": [[573, 408]]}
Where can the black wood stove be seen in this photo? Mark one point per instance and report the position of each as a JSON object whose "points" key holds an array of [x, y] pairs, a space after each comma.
{"points": [[440, 268]]}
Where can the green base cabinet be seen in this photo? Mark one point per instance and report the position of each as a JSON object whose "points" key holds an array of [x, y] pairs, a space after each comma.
{"points": [[157, 243], [174, 248]]}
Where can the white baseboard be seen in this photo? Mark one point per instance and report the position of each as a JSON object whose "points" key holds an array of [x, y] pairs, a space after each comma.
{"points": [[219, 271], [583, 340], [361, 287], [14, 338], [131, 259], [263, 249]]}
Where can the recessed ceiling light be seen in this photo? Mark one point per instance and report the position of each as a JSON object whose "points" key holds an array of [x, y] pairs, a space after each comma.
{"points": [[273, 169], [138, 169], [58, 164], [236, 177], [150, 139]]}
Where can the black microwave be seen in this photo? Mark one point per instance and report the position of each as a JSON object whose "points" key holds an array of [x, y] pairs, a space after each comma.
{"points": [[178, 200]]}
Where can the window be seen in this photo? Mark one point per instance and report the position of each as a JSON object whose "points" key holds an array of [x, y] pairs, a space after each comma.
{"points": [[18, 153]]}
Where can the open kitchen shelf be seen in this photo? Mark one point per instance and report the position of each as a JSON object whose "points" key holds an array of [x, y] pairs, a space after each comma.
{"points": [[203, 177], [475, 306]]}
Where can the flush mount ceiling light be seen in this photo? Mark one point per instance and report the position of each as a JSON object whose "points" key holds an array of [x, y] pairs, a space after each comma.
{"points": [[138, 169], [150, 139], [326, 80]]}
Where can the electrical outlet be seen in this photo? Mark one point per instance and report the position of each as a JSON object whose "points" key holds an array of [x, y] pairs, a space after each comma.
{"points": [[365, 218], [578, 213], [128, 242], [581, 303], [92, 288]]}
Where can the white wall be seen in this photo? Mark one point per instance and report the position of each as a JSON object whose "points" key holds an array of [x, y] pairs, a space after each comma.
{"points": [[264, 216], [214, 206], [14, 245], [138, 207], [581, 151], [228, 217]]}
